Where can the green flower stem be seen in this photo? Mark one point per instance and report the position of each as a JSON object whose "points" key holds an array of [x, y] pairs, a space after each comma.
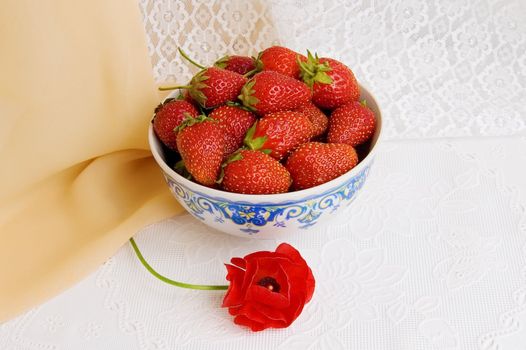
{"points": [[189, 59], [167, 280], [164, 88]]}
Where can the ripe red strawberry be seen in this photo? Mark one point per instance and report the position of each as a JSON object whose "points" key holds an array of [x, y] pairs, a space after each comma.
{"points": [[281, 60], [213, 86], [269, 92], [254, 172], [315, 163], [319, 120], [352, 124], [279, 133], [235, 123], [239, 64], [201, 144], [332, 82], [169, 115]]}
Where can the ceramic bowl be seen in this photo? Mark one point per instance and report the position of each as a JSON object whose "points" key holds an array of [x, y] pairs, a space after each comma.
{"points": [[276, 215]]}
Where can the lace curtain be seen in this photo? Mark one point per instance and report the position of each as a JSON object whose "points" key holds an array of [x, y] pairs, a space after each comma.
{"points": [[440, 69]]}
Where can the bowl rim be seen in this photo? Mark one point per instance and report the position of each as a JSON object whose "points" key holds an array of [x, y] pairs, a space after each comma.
{"points": [[305, 194]]}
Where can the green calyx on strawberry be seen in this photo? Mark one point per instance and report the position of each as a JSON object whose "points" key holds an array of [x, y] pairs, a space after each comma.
{"points": [[247, 96], [257, 143], [197, 84], [258, 65], [259, 62], [312, 71], [190, 120], [237, 104], [222, 62]]}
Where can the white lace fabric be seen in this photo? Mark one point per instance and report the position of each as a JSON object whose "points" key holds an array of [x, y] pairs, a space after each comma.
{"points": [[432, 254], [439, 69]]}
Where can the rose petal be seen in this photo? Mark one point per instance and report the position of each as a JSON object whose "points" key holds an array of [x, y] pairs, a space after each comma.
{"points": [[264, 296], [261, 254], [297, 280], [297, 277], [240, 262], [234, 310], [234, 295], [248, 280], [291, 252], [254, 313], [295, 273], [273, 313], [245, 321], [310, 283], [233, 272]]}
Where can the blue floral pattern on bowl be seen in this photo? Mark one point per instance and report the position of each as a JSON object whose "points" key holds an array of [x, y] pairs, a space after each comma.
{"points": [[251, 218]]}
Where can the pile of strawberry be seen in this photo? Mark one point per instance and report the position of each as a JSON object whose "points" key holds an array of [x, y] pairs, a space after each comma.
{"points": [[278, 122]]}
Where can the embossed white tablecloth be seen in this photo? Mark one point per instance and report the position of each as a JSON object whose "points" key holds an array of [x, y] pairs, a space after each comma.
{"points": [[432, 253]]}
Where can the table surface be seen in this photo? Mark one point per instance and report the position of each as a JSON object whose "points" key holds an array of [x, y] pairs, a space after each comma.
{"points": [[431, 254]]}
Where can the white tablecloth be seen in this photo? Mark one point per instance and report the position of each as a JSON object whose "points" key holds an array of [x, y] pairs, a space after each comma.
{"points": [[432, 253]]}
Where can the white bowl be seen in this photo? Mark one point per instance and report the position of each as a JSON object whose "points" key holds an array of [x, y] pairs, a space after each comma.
{"points": [[273, 215]]}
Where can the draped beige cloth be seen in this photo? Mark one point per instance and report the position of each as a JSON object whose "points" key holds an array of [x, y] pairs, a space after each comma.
{"points": [[76, 176]]}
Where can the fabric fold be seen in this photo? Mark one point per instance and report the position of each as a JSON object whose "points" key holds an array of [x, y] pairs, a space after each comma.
{"points": [[77, 179]]}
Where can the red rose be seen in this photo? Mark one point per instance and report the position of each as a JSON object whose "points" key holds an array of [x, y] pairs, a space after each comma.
{"points": [[268, 289]]}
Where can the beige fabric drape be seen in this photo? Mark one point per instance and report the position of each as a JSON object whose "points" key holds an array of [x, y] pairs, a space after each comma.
{"points": [[76, 176]]}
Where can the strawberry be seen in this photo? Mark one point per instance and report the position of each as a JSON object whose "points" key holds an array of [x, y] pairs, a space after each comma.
{"points": [[269, 91], [239, 64], [201, 144], [352, 124], [254, 172], [235, 122], [213, 86], [332, 82], [279, 133], [318, 119], [315, 163], [185, 95], [169, 115], [281, 60]]}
